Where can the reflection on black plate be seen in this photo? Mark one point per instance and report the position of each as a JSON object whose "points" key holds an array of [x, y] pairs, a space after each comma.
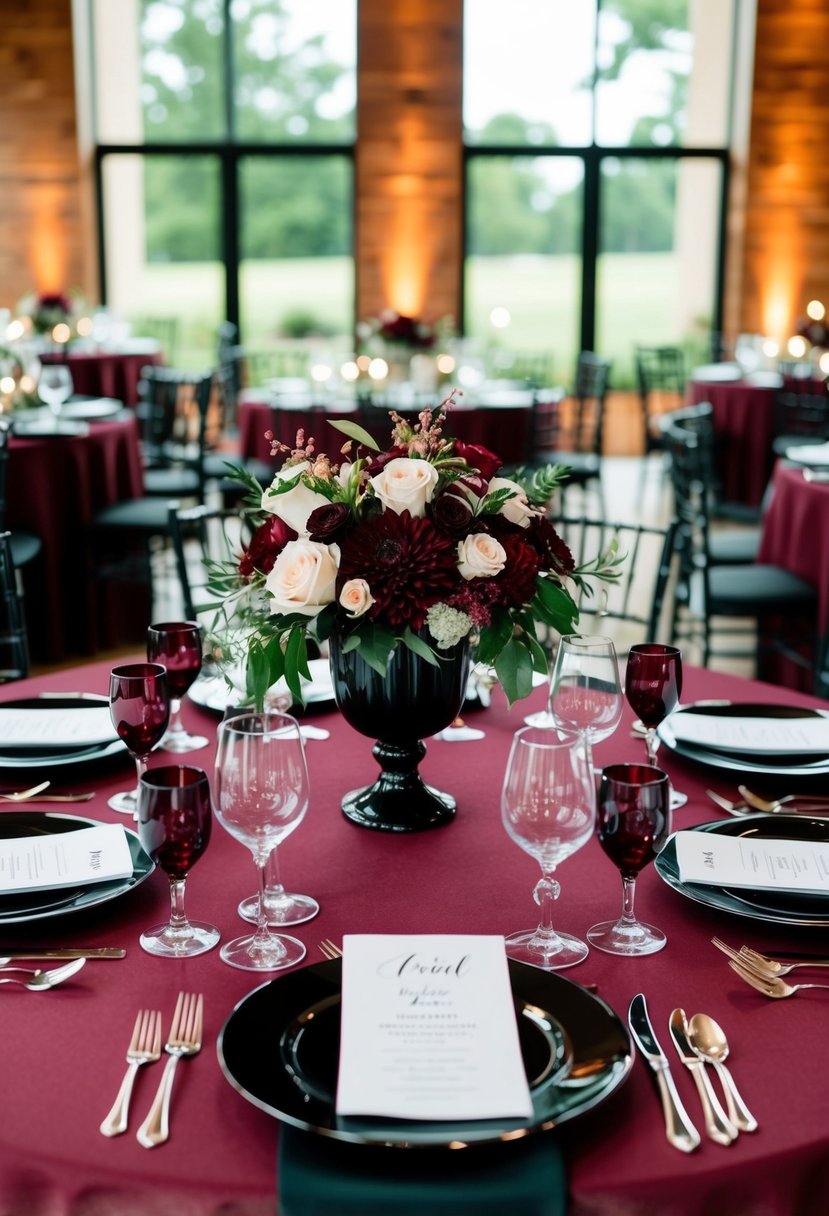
{"points": [[785, 907], [280, 1048], [38, 905], [765, 764], [56, 757]]}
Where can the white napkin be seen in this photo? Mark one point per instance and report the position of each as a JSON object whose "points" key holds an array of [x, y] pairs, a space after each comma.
{"points": [[809, 453]]}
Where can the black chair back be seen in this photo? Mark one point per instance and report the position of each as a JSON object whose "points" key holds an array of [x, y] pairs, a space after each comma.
{"points": [[174, 410], [661, 379], [14, 645]]}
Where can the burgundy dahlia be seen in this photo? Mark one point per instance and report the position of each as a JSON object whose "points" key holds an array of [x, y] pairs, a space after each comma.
{"points": [[517, 579], [555, 553]]}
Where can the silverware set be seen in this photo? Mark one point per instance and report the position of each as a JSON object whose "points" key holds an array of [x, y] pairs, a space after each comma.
{"points": [[39, 981], [35, 794], [184, 1040], [752, 804], [700, 1044], [765, 974]]}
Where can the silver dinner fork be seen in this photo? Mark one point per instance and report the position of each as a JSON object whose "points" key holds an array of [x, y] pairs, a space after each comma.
{"points": [[144, 1048], [184, 1040], [769, 985]]}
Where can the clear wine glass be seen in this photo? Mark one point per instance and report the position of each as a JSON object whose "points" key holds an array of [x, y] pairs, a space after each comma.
{"points": [[139, 707], [262, 794], [585, 688], [177, 645], [54, 386], [633, 822], [174, 820], [548, 807], [282, 907], [653, 686]]}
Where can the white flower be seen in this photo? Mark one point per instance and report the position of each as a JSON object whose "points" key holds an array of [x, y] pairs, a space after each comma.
{"points": [[516, 509], [406, 485], [303, 577], [448, 626], [356, 597], [480, 556], [295, 505]]}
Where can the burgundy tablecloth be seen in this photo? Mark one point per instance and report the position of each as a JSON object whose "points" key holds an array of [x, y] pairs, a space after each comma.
{"points": [[55, 485], [63, 1051], [744, 428], [796, 536], [106, 374], [505, 430]]}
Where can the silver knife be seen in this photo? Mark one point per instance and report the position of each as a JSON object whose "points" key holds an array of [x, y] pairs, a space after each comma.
{"points": [[679, 1129], [91, 952], [717, 1124]]}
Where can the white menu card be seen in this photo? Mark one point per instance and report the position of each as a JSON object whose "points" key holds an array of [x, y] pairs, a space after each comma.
{"points": [[746, 861], [56, 727], [65, 859], [746, 734], [429, 1029]]}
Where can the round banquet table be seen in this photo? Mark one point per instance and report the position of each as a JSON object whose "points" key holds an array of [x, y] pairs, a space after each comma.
{"points": [[63, 1056], [795, 536], [113, 373], [55, 485]]}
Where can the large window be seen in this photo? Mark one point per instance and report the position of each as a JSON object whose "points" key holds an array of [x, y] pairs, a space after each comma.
{"points": [[596, 147], [224, 135]]}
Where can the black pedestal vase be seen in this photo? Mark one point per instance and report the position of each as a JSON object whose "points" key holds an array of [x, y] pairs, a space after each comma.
{"points": [[412, 701]]}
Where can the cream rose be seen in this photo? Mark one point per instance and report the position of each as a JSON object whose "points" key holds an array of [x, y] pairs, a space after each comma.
{"points": [[406, 485], [356, 597], [295, 505], [516, 509], [480, 556], [303, 577]]}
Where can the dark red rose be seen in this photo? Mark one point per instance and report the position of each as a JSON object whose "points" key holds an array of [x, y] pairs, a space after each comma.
{"points": [[452, 511], [555, 553], [480, 458], [408, 564], [517, 579], [324, 523], [54, 300], [264, 547]]}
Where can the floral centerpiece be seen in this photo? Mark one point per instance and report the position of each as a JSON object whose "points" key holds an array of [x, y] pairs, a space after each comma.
{"points": [[399, 331], [48, 309], [422, 546]]}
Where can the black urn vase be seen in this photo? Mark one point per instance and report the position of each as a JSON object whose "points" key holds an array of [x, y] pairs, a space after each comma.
{"points": [[414, 700]]}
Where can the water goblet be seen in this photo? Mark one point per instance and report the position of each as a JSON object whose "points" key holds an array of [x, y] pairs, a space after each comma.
{"points": [[653, 686], [548, 809], [177, 645], [174, 820], [262, 794], [54, 386], [585, 689], [633, 821], [139, 707]]}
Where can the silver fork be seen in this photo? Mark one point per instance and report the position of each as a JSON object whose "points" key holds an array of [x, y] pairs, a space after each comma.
{"points": [[37, 981], [769, 985], [804, 805], [144, 1048], [773, 966], [329, 949], [184, 1040]]}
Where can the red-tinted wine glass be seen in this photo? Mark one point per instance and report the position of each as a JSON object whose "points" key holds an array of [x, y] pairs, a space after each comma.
{"points": [[633, 820], [174, 821], [653, 685], [139, 707], [177, 645]]}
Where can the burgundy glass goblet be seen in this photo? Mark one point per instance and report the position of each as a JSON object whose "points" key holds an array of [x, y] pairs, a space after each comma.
{"points": [[653, 686], [139, 707], [174, 821], [177, 645], [633, 820]]}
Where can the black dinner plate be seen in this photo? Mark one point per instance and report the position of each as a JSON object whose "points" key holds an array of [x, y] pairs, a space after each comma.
{"points": [[576, 1052], [785, 764], [784, 907], [38, 905], [56, 757]]}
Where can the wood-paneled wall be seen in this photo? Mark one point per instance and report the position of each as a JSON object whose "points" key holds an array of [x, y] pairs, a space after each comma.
{"points": [[409, 161]]}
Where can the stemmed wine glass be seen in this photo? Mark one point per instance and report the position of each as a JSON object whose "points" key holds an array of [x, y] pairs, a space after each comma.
{"points": [[174, 820], [139, 707], [632, 823], [262, 794], [653, 686], [548, 809], [177, 645], [54, 386], [585, 689]]}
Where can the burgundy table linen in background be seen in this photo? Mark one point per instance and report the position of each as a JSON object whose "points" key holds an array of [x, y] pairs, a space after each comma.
{"points": [[64, 1050], [106, 373]]}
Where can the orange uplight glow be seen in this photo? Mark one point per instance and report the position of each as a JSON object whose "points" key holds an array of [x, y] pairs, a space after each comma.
{"points": [[46, 251]]}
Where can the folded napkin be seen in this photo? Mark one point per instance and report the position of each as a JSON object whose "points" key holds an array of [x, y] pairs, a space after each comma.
{"points": [[809, 453], [321, 1177]]}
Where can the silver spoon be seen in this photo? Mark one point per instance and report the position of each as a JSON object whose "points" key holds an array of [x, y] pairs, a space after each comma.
{"points": [[709, 1042], [41, 979]]}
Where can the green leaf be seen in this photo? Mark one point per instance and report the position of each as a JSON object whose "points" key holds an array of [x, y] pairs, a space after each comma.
{"points": [[554, 605], [296, 663], [514, 668], [494, 636], [419, 647], [257, 674], [538, 653], [354, 432]]}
